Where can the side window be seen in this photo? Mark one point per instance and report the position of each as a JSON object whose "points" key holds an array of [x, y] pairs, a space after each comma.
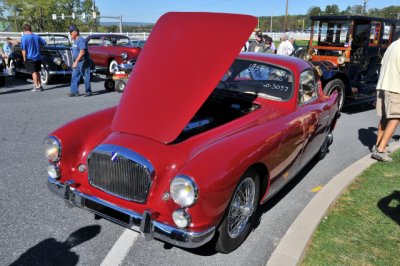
{"points": [[387, 32], [307, 87], [94, 42]]}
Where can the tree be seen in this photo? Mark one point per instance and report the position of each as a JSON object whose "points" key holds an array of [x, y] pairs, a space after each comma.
{"points": [[332, 10], [314, 11]]}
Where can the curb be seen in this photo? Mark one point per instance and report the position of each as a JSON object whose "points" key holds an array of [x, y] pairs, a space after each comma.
{"points": [[292, 247]]}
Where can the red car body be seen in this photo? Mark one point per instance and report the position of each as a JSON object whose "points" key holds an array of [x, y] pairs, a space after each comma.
{"points": [[188, 122], [106, 50]]}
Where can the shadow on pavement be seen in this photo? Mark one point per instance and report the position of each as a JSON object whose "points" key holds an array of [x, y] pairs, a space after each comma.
{"points": [[52, 252], [390, 206], [359, 108], [367, 136]]}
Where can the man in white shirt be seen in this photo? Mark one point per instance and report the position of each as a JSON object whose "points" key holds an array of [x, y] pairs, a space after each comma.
{"points": [[388, 100], [286, 46]]}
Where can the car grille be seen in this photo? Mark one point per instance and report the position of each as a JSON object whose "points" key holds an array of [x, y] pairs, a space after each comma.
{"points": [[67, 57], [120, 172]]}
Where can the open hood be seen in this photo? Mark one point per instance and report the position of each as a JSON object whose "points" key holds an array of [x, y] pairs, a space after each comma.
{"points": [[184, 58]]}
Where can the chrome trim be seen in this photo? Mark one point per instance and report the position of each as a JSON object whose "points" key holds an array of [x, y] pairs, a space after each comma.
{"points": [[117, 152], [179, 237], [60, 72]]}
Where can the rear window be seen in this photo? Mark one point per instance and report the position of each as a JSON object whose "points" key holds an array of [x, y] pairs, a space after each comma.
{"points": [[268, 81]]}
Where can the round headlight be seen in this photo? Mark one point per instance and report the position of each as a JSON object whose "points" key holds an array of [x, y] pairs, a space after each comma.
{"points": [[53, 171], [52, 149], [181, 218], [124, 56], [57, 61], [183, 191], [341, 60]]}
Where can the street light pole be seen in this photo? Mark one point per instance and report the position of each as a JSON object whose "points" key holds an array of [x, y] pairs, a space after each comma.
{"points": [[365, 7], [285, 24]]}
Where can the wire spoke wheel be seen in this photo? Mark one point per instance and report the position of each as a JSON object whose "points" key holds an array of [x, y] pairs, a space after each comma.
{"points": [[241, 208]]}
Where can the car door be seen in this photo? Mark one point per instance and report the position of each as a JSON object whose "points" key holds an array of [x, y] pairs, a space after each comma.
{"points": [[94, 46], [315, 114]]}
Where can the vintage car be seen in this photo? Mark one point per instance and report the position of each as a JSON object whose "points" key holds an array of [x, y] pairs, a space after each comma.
{"points": [[191, 154], [108, 51], [3, 69], [56, 58], [348, 50]]}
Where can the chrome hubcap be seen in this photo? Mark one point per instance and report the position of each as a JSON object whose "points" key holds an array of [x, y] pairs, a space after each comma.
{"points": [[242, 207]]}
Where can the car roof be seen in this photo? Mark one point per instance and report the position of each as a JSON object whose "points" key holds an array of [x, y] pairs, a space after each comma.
{"points": [[106, 35], [364, 18], [292, 63]]}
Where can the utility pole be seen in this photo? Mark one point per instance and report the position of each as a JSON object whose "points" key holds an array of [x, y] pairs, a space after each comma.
{"points": [[285, 24], [365, 7]]}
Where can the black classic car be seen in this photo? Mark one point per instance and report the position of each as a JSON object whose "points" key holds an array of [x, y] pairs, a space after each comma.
{"points": [[2, 69], [56, 58], [348, 50]]}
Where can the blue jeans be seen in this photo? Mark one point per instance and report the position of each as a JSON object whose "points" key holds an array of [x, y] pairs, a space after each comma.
{"points": [[82, 70]]}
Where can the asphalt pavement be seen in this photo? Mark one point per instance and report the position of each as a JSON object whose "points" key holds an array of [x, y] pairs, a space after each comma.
{"points": [[36, 226]]}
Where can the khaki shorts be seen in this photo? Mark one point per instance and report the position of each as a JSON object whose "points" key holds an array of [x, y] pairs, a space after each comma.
{"points": [[388, 104]]}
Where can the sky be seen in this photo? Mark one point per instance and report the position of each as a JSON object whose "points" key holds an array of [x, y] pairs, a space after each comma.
{"points": [[151, 10]]}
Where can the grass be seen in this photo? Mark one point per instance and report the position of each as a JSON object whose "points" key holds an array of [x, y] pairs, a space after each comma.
{"points": [[363, 227]]}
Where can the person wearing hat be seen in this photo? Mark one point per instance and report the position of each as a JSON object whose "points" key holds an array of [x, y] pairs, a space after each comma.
{"points": [[30, 47], [81, 63], [258, 45]]}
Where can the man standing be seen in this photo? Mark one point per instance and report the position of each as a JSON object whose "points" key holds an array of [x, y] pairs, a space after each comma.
{"points": [[81, 65], [30, 46], [388, 100], [258, 45]]}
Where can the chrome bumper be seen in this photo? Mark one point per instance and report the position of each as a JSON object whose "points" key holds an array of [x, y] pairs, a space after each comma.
{"points": [[130, 219]]}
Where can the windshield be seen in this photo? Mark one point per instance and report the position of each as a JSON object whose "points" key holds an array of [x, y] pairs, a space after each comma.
{"points": [[56, 40], [332, 33], [268, 81], [117, 41]]}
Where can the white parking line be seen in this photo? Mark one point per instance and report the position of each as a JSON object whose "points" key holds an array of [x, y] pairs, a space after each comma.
{"points": [[121, 248]]}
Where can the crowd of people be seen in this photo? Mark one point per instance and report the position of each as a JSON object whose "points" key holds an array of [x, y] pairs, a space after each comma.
{"points": [[264, 44], [30, 48]]}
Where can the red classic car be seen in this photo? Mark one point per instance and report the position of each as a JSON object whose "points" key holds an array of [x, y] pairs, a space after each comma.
{"points": [[109, 50], [190, 155]]}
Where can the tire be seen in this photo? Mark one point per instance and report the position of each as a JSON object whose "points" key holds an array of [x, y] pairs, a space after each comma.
{"points": [[109, 84], [120, 85], [112, 66], [336, 85], [325, 146], [45, 77], [231, 235]]}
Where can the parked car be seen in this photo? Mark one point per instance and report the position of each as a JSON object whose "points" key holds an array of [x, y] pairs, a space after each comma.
{"points": [[56, 58], [2, 71], [198, 140], [348, 50], [107, 51]]}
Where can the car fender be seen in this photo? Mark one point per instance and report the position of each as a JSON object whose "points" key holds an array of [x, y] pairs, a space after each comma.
{"points": [[79, 137]]}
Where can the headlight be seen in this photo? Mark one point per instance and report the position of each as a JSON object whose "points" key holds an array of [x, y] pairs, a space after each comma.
{"points": [[341, 60], [181, 218], [124, 56], [57, 61], [52, 149], [183, 191], [53, 171]]}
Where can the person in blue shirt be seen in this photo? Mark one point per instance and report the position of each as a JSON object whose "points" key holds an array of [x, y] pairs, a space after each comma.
{"points": [[30, 46], [81, 65], [7, 48]]}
